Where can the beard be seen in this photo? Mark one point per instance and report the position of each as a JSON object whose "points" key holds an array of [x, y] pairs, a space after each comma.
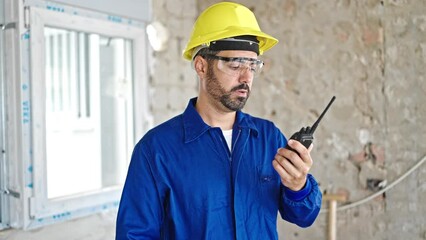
{"points": [[218, 93]]}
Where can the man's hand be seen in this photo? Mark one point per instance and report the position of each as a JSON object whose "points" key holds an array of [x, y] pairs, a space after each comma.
{"points": [[293, 167]]}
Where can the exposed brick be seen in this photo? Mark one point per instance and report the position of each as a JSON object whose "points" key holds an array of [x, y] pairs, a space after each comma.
{"points": [[372, 36], [368, 53]]}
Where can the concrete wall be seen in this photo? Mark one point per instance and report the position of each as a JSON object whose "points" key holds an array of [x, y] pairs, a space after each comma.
{"points": [[370, 54]]}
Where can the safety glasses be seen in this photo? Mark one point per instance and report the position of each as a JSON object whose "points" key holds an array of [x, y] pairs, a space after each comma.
{"points": [[235, 66]]}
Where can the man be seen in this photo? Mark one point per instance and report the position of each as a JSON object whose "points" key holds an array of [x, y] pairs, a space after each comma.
{"points": [[215, 172]]}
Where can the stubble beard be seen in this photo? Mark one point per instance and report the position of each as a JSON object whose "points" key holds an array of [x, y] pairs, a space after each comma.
{"points": [[225, 97]]}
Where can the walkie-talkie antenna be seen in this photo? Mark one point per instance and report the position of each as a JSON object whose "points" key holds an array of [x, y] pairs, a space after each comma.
{"points": [[322, 114]]}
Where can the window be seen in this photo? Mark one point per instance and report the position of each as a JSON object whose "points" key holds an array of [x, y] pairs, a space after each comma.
{"points": [[88, 84], [84, 104]]}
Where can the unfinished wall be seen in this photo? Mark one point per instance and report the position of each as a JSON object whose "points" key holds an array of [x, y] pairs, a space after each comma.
{"points": [[371, 55]]}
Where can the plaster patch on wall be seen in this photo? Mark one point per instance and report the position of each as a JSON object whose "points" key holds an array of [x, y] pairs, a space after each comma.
{"points": [[336, 144], [363, 136], [370, 162]]}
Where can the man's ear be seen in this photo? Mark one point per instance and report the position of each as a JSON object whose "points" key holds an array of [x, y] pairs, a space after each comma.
{"points": [[200, 66]]}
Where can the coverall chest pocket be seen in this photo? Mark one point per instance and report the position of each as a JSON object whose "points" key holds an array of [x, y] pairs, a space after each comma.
{"points": [[267, 178]]}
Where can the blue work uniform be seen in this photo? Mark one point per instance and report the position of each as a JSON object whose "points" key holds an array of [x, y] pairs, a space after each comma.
{"points": [[183, 182]]}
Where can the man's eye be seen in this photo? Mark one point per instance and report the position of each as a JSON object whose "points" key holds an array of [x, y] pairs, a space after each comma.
{"points": [[234, 65], [253, 67]]}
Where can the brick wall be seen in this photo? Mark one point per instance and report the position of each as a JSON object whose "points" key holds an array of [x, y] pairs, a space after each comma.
{"points": [[371, 55]]}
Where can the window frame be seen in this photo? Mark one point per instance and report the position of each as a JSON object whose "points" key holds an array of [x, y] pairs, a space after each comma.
{"points": [[41, 210], [4, 214]]}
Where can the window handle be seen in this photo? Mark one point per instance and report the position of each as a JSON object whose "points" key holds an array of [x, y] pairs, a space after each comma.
{"points": [[3, 27], [11, 193]]}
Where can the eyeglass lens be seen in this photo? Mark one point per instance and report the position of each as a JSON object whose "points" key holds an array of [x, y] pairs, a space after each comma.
{"points": [[237, 65]]}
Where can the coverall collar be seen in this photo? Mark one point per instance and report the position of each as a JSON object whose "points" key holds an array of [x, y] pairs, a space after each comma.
{"points": [[194, 126]]}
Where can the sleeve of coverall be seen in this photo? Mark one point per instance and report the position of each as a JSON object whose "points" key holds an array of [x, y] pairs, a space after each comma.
{"points": [[301, 208], [140, 211]]}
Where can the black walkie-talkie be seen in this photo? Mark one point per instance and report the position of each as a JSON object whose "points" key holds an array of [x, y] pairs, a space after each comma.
{"points": [[306, 135]]}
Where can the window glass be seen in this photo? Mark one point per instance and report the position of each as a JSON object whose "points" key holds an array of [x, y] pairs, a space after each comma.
{"points": [[89, 116]]}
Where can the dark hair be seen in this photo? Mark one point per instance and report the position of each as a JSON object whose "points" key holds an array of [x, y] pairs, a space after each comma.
{"points": [[206, 51]]}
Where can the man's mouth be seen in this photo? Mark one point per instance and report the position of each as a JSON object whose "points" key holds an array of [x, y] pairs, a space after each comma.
{"points": [[242, 92]]}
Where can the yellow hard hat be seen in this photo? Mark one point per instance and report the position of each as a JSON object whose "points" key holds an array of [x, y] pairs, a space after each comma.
{"points": [[226, 20]]}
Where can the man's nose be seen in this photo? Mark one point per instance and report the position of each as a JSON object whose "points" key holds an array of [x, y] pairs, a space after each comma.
{"points": [[246, 75]]}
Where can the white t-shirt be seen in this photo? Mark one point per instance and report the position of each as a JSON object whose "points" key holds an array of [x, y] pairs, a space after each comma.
{"points": [[228, 137]]}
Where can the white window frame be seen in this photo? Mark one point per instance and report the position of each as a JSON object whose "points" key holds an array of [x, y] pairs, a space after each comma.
{"points": [[4, 214], [41, 210]]}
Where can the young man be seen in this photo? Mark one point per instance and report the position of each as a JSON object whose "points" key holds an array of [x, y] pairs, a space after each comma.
{"points": [[214, 172]]}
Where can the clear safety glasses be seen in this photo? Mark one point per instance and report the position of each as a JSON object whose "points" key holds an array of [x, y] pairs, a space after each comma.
{"points": [[235, 66]]}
